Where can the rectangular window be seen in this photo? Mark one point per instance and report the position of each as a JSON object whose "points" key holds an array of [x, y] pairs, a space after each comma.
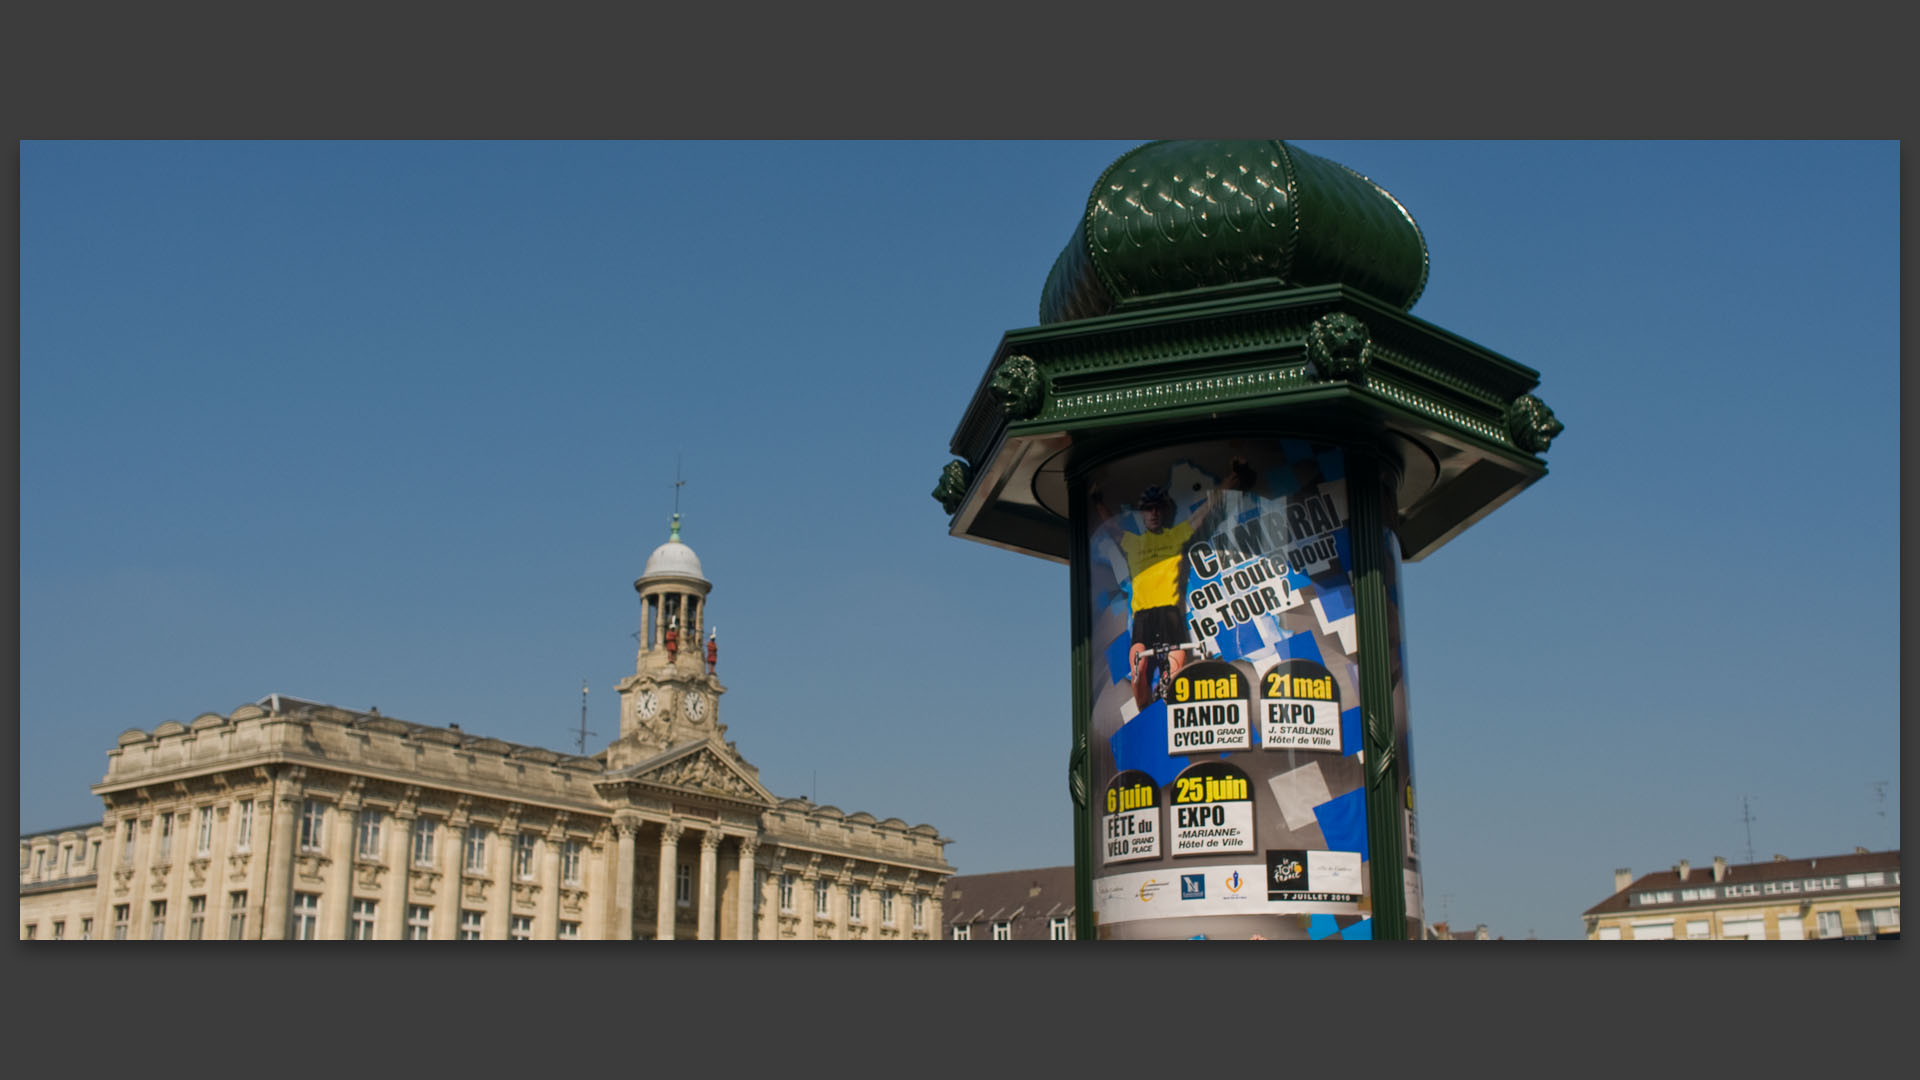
{"points": [[59, 931], [570, 862], [476, 850], [919, 912], [853, 902], [423, 830], [786, 892], [66, 861], [32, 929], [95, 860], [962, 932], [1867, 881], [521, 929], [39, 864], [363, 912], [819, 897], [886, 907], [1699, 929], [1878, 920], [157, 930], [166, 837], [126, 843], [203, 835], [236, 916], [313, 825], [243, 825], [306, 916], [469, 926], [569, 931], [683, 885], [1653, 931], [1003, 931], [1058, 930], [86, 929], [523, 856], [196, 918], [370, 822], [1829, 924], [120, 917], [419, 922]]}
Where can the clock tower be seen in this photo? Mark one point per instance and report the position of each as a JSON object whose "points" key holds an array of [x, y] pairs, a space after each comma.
{"points": [[672, 696]]}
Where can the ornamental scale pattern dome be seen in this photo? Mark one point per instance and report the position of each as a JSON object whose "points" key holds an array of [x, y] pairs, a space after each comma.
{"points": [[1169, 218]]}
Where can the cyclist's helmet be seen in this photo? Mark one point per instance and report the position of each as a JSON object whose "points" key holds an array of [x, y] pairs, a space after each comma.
{"points": [[1155, 495]]}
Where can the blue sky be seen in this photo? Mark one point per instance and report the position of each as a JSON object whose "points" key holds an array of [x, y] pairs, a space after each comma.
{"points": [[396, 425]]}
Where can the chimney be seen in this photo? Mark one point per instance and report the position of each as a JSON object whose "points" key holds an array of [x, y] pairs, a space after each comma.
{"points": [[1622, 878], [1858, 850], [1683, 868], [1719, 868], [1777, 857]]}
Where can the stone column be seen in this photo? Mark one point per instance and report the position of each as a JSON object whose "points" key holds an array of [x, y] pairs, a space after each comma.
{"points": [[446, 923], [669, 863], [500, 867], [397, 852], [340, 847], [804, 902], [546, 923], [709, 881], [109, 862], [143, 860], [283, 810], [840, 902], [743, 923], [598, 878], [766, 898], [177, 874], [936, 918], [627, 823]]}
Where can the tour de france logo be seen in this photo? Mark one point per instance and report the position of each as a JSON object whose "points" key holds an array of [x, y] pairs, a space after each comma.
{"points": [[1287, 871]]}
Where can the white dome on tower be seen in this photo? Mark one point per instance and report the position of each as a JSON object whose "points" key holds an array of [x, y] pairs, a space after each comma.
{"points": [[673, 558]]}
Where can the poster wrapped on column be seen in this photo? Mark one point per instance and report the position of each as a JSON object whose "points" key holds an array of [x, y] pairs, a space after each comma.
{"points": [[1225, 689]]}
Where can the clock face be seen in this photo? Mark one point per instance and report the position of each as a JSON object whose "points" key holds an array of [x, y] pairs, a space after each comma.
{"points": [[649, 703], [696, 706]]}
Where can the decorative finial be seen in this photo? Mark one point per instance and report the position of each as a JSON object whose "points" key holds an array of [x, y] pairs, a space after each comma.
{"points": [[674, 535]]}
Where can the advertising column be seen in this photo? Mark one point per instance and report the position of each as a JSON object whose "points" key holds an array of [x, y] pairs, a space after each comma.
{"points": [[1225, 738]]}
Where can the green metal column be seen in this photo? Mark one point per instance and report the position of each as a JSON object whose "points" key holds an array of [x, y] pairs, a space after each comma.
{"points": [[1366, 499], [1079, 768]]}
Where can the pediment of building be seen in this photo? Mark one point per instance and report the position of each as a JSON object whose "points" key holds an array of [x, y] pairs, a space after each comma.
{"points": [[701, 767]]}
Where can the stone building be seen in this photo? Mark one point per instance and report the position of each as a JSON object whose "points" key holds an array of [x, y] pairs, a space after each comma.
{"points": [[289, 818], [1824, 898]]}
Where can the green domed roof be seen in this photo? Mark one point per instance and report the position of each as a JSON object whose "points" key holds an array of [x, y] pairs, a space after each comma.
{"points": [[1170, 217]]}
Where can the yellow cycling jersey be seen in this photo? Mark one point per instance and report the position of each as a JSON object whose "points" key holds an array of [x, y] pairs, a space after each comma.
{"points": [[1153, 562]]}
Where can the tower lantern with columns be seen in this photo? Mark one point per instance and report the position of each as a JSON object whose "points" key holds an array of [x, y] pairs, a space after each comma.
{"points": [[672, 694]]}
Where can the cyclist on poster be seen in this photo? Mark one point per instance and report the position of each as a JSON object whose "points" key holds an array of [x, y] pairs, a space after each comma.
{"points": [[1155, 560]]}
